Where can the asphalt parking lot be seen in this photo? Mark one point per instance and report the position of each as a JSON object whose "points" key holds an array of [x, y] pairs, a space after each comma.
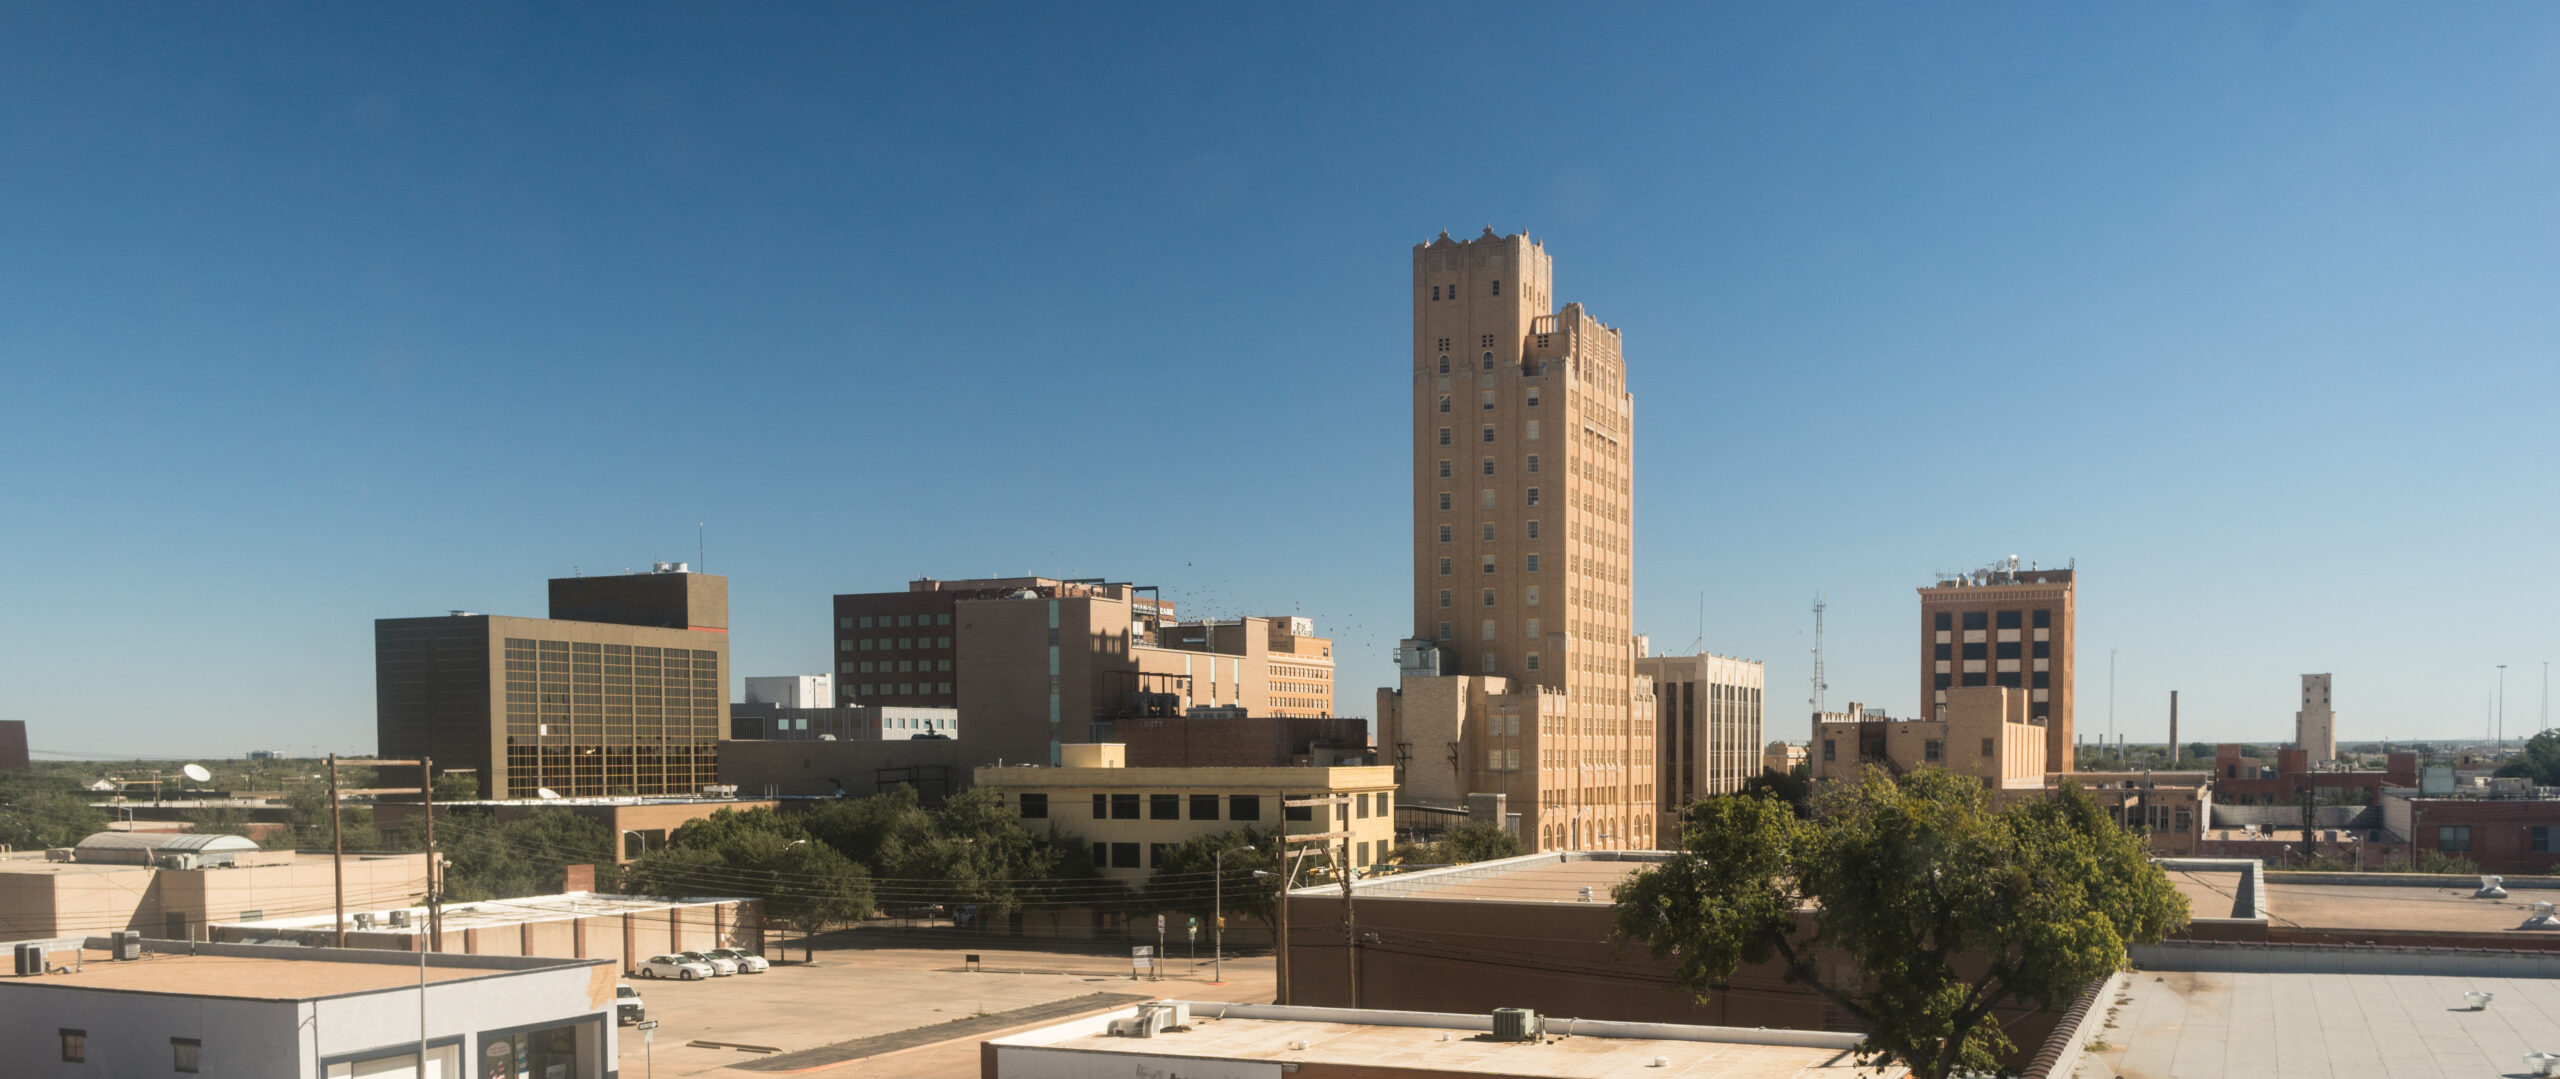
{"points": [[892, 1012]]}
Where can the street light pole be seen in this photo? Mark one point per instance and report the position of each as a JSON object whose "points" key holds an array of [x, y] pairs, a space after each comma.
{"points": [[2502, 706], [1218, 913]]}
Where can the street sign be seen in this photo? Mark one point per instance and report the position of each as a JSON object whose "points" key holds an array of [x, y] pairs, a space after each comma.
{"points": [[648, 1024], [1159, 923]]}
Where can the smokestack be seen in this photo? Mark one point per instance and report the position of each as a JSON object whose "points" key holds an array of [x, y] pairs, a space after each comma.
{"points": [[2173, 729]]}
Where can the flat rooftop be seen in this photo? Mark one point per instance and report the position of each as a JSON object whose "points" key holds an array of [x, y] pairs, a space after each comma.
{"points": [[234, 977], [1415, 1042], [485, 913], [2212, 1025], [1550, 882], [2364, 902]]}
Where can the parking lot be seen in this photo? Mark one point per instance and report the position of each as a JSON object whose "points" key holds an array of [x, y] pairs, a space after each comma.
{"points": [[892, 1011]]}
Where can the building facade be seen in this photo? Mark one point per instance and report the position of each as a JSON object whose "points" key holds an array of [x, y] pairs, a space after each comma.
{"points": [[2315, 727], [2003, 626], [1985, 732], [573, 705], [115, 881], [1131, 816], [1707, 727], [1523, 556], [792, 690], [13, 746], [850, 722]]}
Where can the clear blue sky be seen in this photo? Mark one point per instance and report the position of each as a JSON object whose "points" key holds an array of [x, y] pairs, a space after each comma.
{"points": [[311, 315]]}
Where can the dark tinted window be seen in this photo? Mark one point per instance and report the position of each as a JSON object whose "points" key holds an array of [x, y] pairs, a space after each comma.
{"points": [[1035, 806], [1946, 621], [1977, 620], [1204, 807], [1124, 807], [1125, 856], [1164, 807], [2009, 619], [1244, 807], [2008, 650], [2044, 619]]}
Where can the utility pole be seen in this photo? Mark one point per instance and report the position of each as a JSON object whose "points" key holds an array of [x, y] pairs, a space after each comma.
{"points": [[1350, 922], [435, 875], [2502, 706], [338, 863]]}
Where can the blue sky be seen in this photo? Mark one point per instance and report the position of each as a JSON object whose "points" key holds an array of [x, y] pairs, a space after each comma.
{"points": [[314, 315]]}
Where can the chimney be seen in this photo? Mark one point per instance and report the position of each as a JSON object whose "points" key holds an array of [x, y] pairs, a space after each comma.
{"points": [[578, 878]]}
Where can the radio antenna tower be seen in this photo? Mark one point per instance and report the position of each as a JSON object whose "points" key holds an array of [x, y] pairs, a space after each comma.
{"points": [[1818, 684]]}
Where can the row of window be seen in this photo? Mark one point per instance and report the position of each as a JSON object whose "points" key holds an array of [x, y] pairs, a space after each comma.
{"points": [[2043, 619], [1487, 467], [1486, 561], [2003, 650], [891, 644], [898, 689], [1125, 855], [904, 666], [883, 621], [1239, 807], [1487, 499], [1486, 532], [521, 648], [2042, 680], [1453, 294], [1530, 431]]}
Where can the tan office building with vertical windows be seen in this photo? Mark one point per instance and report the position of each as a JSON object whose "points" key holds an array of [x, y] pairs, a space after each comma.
{"points": [[622, 691], [2003, 626], [1131, 816], [1520, 679], [1707, 724]]}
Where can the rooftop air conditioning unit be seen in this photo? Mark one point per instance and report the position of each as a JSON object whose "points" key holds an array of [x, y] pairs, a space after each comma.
{"points": [[1145, 1024], [399, 919], [1515, 1025], [58, 854], [364, 920], [30, 959], [127, 944]]}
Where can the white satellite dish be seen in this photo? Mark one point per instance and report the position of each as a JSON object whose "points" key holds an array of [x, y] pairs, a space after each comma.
{"points": [[196, 772], [546, 793]]}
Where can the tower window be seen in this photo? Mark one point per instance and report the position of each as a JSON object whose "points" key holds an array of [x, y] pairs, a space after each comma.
{"points": [[1488, 361], [1444, 344], [1444, 468], [1533, 496], [1488, 398], [1444, 365], [1435, 292], [1533, 563], [1444, 402], [1533, 430], [1444, 436], [1488, 563], [1533, 462], [1533, 530], [1533, 595], [1488, 531], [1488, 597], [1533, 659], [1486, 631], [1444, 599], [1444, 500], [1533, 394], [1488, 432], [1488, 466], [2044, 619], [1444, 567], [1485, 498], [1444, 538], [1533, 629], [1497, 286]]}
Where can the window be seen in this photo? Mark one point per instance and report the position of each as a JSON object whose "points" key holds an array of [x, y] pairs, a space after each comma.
{"points": [[865, 644], [2006, 678], [2541, 844], [1977, 678], [1444, 599], [1488, 361], [1155, 854], [2454, 838], [1102, 856], [2006, 650], [1533, 530], [1487, 665], [1533, 430], [1977, 620], [2044, 619], [2043, 650], [1244, 806], [1360, 806], [1125, 856], [1290, 812], [1444, 500], [1488, 395], [1533, 496], [1444, 365], [1488, 563], [1533, 595], [1035, 805], [185, 1054], [1533, 629], [2009, 619], [1444, 402], [1164, 807], [1444, 632], [1830, 750], [943, 620], [1124, 807], [1945, 680], [1485, 498], [2043, 680], [1204, 807], [1988, 745], [1497, 286], [1444, 468], [1487, 531], [1932, 750], [1533, 462], [1944, 651], [1444, 567], [1533, 661], [906, 620], [1487, 633], [1533, 397], [1977, 650], [1944, 620], [1444, 436], [1102, 807], [865, 622], [75, 1043], [1488, 466], [1435, 292], [1444, 529], [1488, 432], [1488, 597], [1533, 563]]}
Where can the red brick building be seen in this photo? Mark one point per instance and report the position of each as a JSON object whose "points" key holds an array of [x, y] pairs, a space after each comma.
{"points": [[2245, 780]]}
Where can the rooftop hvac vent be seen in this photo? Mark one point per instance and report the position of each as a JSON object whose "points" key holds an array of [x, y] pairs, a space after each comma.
{"points": [[2542, 918], [127, 944], [364, 919], [2490, 888], [30, 959], [1515, 1025], [399, 919]]}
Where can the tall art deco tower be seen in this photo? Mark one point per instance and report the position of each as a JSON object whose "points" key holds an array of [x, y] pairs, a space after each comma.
{"points": [[1519, 678]]}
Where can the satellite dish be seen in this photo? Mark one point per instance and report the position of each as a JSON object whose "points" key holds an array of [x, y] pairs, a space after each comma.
{"points": [[196, 772], [546, 793]]}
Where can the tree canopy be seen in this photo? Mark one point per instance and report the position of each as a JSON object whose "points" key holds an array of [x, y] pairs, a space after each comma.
{"points": [[2540, 760], [760, 854], [1944, 906], [36, 813], [1191, 878]]}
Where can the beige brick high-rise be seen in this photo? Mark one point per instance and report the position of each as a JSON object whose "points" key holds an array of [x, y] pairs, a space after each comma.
{"points": [[1523, 561]]}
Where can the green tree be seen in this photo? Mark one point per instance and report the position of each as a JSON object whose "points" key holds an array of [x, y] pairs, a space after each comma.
{"points": [[1945, 907], [1193, 879], [802, 882], [1473, 842], [526, 856], [2540, 760], [36, 813], [1793, 789]]}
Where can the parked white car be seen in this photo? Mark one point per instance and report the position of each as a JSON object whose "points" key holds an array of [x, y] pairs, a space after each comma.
{"points": [[748, 962], [627, 1005], [719, 967], [675, 966]]}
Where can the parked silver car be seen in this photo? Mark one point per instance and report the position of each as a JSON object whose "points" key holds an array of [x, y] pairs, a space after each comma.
{"points": [[675, 966], [719, 967], [748, 962]]}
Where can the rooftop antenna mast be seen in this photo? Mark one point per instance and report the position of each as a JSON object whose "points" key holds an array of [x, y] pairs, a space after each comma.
{"points": [[1698, 646], [1818, 684]]}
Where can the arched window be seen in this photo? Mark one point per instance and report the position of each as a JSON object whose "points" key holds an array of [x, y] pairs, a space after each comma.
{"points": [[1444, 365], [1488, 361]]}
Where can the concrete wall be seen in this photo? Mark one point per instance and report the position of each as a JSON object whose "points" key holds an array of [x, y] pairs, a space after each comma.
{"points": [[41, 901]]}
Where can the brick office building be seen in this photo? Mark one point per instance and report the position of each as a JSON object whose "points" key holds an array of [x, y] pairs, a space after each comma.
{"points": [[2003, 626], [2239, 779]]}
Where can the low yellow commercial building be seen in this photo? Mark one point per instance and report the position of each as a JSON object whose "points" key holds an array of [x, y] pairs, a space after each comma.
{"points": [[1132, 816]]}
